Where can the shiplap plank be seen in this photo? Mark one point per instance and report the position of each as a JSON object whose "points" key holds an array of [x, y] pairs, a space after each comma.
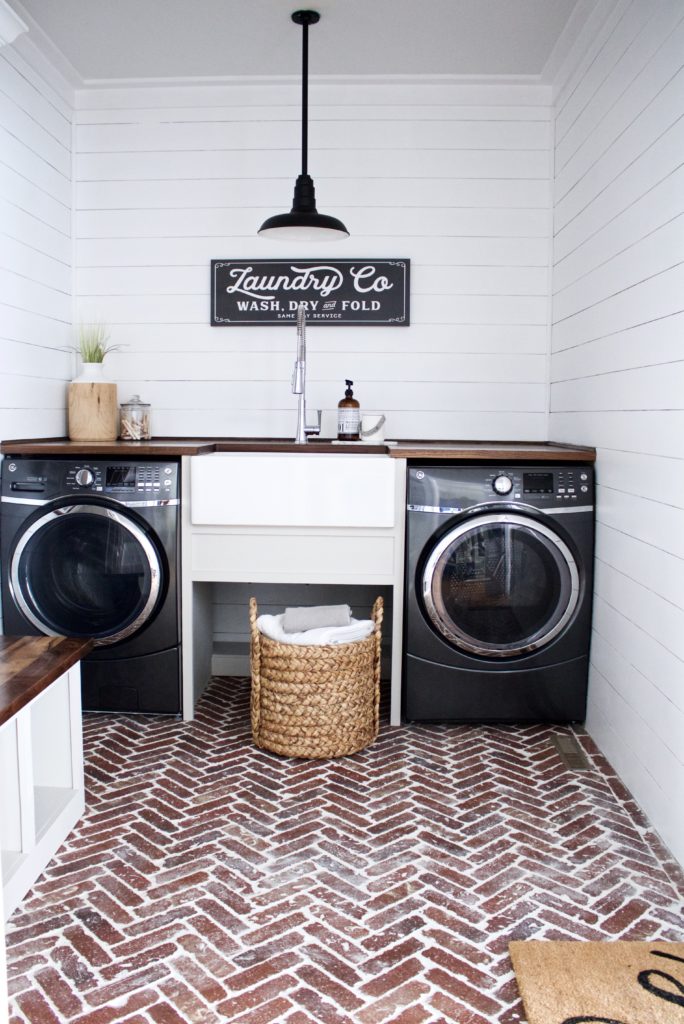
{"points": [[23, 226], [35, 246], [645, 432], [658, 341], [647, 387], [26, 293], [654, 477], [284, 163], [24, 259], [590, 207], [650, 299], [286, 90], [629, 50], [204, 340], [617, 736], [397, 396], [22, 358], [637, 690], [324, 366], [18, 191], [174, 251], [237, 221], [34, 137], [338, 134], [660, 250], [628, 547], [660, 666], [577, 81], [19, 423], [659, 618], [31, 165], [338, 110], [33, 327], [425, 280], [638, 222], [656, 759], [436, 309], [608, 161], [425, 423], [31, 94], [210, 193], [34, 392]]}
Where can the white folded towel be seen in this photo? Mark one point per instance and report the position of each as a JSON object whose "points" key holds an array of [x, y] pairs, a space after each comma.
{"points": [[296, 620], [358, 629]]}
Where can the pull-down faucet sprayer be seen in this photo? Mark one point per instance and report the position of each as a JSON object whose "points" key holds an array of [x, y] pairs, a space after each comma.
{"points": [[299, 374]]}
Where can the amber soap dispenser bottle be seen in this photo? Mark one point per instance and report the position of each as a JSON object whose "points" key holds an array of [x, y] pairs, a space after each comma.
{"points": [[348, 416]]}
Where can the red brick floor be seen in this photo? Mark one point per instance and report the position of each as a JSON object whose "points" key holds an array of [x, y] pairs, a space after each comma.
{"points": [[210, 881]]}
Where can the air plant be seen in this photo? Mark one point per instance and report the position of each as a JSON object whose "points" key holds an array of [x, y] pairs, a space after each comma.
{"points": [[92, 342]]}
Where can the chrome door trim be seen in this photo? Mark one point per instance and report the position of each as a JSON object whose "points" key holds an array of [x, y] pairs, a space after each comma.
{"points": [[555, 511], [461, 639], [567, 509], [25, 501], [162, 503], [127, 524]]}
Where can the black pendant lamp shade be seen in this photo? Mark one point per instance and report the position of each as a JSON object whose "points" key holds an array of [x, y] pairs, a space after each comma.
{"points": [[304, 223]]}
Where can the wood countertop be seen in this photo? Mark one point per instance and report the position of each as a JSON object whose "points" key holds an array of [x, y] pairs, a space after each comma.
{"points": [[164, 447], [168, 447], [29, 664]]}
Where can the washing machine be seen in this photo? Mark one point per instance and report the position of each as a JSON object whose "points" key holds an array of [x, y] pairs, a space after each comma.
{"points": [[498, 593], [91, 548]]}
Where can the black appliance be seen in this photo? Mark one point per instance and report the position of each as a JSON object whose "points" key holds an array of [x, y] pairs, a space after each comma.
{"points": [[498, 594], [91, 548]]}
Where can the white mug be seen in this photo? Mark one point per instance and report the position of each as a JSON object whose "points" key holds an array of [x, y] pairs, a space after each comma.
{"points": [[372, 427]]}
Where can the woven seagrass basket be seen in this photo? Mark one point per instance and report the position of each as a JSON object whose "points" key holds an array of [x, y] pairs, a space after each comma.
{"points": [[315, 701]]}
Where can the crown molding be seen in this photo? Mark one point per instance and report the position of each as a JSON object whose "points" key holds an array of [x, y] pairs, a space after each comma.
{"points": [[584, 25], [226, 80], [11, 25], [42, 44]]}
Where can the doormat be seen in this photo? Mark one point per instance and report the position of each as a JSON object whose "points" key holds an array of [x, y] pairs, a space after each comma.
{"points": [[602, 982]]}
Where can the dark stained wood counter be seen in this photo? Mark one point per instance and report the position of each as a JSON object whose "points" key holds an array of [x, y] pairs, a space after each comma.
{"points": [[28, 664], [164, 447], [473, 451], [493, 451]]}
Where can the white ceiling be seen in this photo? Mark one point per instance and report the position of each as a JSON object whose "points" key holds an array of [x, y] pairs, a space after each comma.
{"points": [[114, 39]]}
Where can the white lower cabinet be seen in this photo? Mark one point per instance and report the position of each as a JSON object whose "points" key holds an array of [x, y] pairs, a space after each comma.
{"points": [[315, 518], [41, 783]]}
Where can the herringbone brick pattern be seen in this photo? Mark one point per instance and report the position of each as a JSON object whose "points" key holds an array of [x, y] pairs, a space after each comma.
{"points": [[210, 881]]}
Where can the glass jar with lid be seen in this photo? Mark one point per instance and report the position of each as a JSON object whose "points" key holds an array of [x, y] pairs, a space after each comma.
{"points": [[134, 420]]}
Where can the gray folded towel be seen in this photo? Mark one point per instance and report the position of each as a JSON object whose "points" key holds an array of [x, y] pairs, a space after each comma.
{"points": [[296, 620]]}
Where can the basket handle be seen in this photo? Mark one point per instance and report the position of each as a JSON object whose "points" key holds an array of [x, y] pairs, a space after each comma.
{"points": [[255, 664], [377, 616]]}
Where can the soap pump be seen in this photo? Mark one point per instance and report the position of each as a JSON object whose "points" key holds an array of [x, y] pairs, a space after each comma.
{"points": [[348, 416]]}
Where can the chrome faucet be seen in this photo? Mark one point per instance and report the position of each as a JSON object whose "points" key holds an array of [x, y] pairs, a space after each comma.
{"points": [[299, 374]]}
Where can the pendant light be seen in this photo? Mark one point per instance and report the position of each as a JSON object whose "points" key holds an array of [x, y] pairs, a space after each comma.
{"points": [[304, 223]]}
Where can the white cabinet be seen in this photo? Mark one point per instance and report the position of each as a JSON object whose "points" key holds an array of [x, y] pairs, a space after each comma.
{"points": [[41, 782], [291, 518]]}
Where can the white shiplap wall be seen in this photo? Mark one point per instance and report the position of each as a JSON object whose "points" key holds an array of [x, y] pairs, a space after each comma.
{"points": [[35, 243], [617, 378], [455, 177]]}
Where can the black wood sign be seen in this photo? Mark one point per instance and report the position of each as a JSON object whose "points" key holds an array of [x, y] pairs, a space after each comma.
{"points": [[363, 291]]}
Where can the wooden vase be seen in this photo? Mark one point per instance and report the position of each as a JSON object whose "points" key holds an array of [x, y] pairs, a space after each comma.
{"points": [[93, 408]]}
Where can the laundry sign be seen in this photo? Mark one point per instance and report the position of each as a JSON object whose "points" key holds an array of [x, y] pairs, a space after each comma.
{"points": [[368, 292]]}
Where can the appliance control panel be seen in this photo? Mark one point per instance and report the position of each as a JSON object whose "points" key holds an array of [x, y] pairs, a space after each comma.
{"points": [[453, 488], [124, 480]]}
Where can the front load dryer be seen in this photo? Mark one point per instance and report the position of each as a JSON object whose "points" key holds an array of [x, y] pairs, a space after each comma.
{"points": [[90, 547], [498, 592]]}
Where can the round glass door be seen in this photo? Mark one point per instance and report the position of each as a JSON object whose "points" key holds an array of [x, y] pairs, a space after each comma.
{"points": [[86, 571], [500, 585]]}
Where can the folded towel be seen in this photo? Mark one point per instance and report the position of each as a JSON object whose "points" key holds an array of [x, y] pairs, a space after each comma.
{"points": [[358, 629], [296, 620]]}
